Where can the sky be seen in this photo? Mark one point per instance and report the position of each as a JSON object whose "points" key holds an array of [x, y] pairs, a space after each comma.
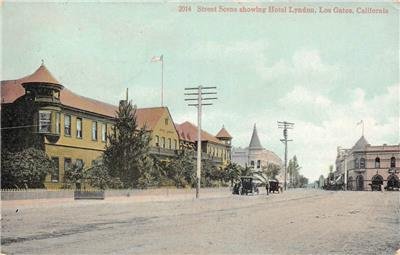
{"points": [[324, 72]]}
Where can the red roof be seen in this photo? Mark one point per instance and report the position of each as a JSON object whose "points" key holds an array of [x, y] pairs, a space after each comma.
{"points": [[149, 116], [188, 132], [223, 134], [42, 75], [12, 90]]}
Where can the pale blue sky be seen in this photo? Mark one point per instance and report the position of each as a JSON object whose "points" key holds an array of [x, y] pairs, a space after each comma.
{"points": [[323, 72]]}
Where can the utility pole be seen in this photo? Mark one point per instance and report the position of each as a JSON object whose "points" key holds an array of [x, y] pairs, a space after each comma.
{"points": [[285, 126], [196, 94]]}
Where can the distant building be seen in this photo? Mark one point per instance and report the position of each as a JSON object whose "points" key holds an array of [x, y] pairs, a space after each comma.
{"points": [[256, 156], [216, 148], [367, 164]]}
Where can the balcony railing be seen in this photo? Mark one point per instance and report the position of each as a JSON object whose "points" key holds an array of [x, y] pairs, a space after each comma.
{"points": [[171, 153]]}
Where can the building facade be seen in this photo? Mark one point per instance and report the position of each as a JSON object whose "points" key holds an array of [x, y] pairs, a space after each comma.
{"points": [[255, 155], [366, 164], [215, 148], [38, 111]]}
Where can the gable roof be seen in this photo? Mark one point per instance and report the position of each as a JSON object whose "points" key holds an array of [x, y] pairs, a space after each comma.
{"points": [[223, 133], [188, 132], [255, 141], [150, 116]]}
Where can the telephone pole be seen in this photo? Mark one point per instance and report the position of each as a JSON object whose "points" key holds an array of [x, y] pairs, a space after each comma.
{"points": [[285, 126], [196, 94]]}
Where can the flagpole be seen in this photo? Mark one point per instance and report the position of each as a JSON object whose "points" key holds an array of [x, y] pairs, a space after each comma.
{"points": [[162, 80], [362, 127]]}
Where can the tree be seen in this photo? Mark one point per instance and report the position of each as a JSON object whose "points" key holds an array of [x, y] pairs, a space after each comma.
{"points": [[127, 154], [293, 169], [25, 169], [74, 175], [271, 170], [98, 177], [303, 181], [232, 172]]}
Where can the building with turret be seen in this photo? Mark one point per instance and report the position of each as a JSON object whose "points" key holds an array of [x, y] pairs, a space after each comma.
{"points": [[365, 164], [39, 111], [215, 148], [255, 155]]}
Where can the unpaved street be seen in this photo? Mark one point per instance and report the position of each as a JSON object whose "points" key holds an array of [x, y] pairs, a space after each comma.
{"points": [[295, 222]]}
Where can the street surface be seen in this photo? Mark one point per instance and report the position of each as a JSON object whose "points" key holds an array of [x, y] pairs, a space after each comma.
{"points": [[295, 222]]}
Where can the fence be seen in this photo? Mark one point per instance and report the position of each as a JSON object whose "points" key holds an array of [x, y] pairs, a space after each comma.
{"points": [[25, 194]]}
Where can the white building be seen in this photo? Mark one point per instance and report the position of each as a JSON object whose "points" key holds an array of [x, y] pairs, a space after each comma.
{"points": [[256, 156]]}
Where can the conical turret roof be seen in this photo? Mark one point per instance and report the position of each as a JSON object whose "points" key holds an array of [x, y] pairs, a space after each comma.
{"points": [[360, 144], [255, 141], [41, 75]]}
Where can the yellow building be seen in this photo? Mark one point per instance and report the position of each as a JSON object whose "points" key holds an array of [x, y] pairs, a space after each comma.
{"points": [[216, 148], [68, 127]]}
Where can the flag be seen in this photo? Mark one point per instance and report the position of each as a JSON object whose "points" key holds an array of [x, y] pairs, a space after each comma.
{"points": [[360, 122], [157, 58]]}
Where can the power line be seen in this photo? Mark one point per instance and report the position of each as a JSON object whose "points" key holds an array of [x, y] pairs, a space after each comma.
{"points": [[197, 95], [17, 127], [285, 126]]}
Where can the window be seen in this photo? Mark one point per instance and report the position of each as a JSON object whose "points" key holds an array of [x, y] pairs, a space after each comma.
{"points": [[56, 168], [356, 164], [67, 125], [392, 162], [175, 144], [157, 141], [258, 163], [79, 127], [103, 132], [362, 163], [377, 162], [169, 143], [163, 142], [58, 125], [44, 122], [67, 164], [252, 163], [166, 121], [94, 130], [79, 163]]}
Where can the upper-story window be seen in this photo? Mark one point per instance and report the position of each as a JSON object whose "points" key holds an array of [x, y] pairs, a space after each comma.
{"points": [[377, 162], [67, 125], [169, 143], [79, 127], [163, 142], [258, 163], [356, 163], [103, 132], [58, 123], [392, 162], [44, 121], [175, 144], [94, 130], [166, 121], [252, 163], [157, 141], [362, 163]]}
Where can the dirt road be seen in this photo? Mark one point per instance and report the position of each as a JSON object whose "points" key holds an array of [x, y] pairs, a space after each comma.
{"points": [[295, 222]]}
